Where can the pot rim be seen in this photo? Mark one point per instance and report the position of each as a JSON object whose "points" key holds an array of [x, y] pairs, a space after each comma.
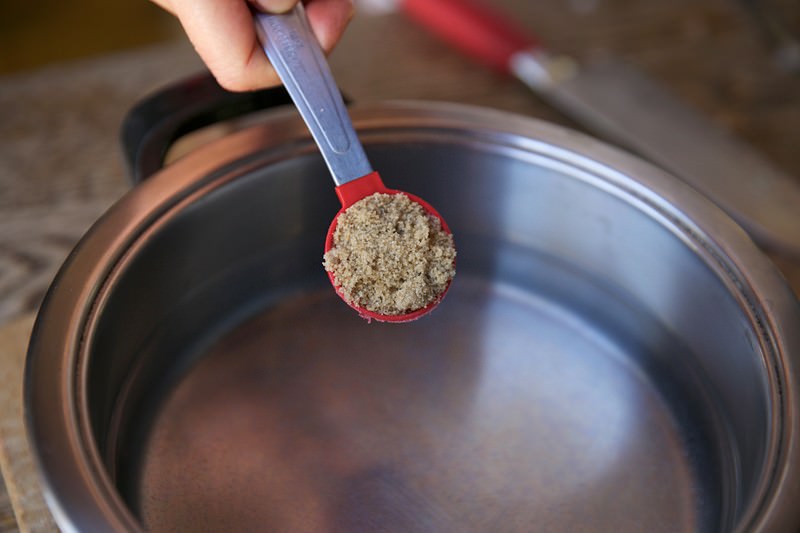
{"points": [[80, 493]]}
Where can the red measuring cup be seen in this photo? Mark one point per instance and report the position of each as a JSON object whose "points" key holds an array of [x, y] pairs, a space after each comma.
{"points": [[299, 61]]}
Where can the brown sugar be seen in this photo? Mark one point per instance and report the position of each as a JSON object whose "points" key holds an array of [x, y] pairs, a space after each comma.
{"points": [[390, 256]]}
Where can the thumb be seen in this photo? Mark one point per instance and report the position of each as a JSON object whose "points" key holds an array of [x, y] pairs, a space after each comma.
{"points": [[274, 6]]}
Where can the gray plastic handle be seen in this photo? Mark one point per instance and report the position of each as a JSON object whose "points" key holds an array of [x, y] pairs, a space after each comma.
{"points": [[296, 55]]}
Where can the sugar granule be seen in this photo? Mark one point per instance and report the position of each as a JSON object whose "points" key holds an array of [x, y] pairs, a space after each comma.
{"points": [[389, 255]]}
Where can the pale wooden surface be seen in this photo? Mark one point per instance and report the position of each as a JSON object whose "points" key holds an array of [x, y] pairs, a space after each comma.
{"points": [[60, 165], [15, 458]]}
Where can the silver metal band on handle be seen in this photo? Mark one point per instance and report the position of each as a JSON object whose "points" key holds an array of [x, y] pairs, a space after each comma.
{"points": [[293, 50]]}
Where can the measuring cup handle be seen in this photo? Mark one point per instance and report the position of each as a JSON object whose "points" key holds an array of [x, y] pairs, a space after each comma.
{"points": [[295, 54]]}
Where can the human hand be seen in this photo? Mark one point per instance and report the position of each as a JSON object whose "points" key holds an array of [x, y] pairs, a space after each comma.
{"points": [[224, 35]]}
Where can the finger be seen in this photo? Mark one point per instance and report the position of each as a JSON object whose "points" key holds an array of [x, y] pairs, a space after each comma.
{"points": [[165, 5], [223, 34], [274, 6], [328, 20]]}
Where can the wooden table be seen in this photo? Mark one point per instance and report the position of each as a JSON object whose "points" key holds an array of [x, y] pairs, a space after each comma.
{"points": [[60, 166]]}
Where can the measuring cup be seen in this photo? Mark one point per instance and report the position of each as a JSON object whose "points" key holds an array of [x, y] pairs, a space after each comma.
{"points": [[300, 63]]}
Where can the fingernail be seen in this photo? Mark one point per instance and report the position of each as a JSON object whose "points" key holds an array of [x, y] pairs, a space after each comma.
{"points": [[275, 6]]}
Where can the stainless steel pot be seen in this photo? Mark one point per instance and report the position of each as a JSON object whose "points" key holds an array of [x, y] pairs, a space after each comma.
{"points": [[614, 355]]}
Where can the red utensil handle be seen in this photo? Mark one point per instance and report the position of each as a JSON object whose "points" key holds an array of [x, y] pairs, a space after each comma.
{"points": [[475, 29]]}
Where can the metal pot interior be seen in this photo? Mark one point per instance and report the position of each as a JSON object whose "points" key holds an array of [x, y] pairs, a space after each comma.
{"points": [[594, 365]]}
